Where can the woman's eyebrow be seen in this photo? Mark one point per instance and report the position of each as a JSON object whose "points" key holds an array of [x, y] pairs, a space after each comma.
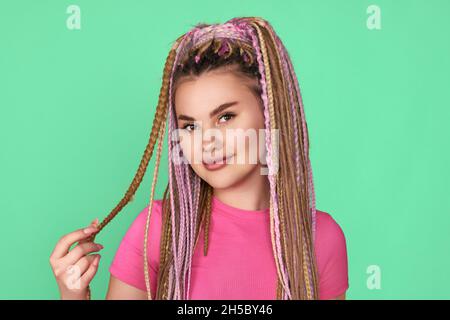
{"points": [[216, 111]]}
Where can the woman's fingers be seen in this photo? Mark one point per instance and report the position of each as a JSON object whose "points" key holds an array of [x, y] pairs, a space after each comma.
{"points": [[75, 269], [64, 244], [84, 263], [87, 277], [79, 251], [71, 281], [94, 223]]}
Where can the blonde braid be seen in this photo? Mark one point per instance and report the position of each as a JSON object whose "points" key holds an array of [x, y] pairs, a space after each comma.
{"points": [[272, 127], [281, 208], [155, 175], [207, 220], [277, 59], [281, 211], [161, 109]]}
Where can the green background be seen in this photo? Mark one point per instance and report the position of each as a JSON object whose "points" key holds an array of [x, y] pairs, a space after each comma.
{"points": [[77, 108]]}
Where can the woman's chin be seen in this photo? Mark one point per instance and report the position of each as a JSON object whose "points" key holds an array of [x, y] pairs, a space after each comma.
{"points": [[220, 179]]}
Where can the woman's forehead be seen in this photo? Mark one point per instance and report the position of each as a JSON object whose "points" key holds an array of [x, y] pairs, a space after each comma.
{"points": [[201, 95]]}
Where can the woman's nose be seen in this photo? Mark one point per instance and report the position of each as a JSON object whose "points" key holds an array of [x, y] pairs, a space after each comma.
{"points": [[212, 140], [208, 145]]}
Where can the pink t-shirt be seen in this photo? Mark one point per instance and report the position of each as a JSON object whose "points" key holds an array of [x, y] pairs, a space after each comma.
{"points": [[240, 262]]}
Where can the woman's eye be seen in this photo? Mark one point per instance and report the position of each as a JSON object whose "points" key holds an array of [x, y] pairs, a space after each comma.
{"points": [[227, 116], [189, 127]]}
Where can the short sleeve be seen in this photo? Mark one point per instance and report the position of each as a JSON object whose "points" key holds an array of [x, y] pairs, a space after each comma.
{"points": [[331, 254], [128, 262]]}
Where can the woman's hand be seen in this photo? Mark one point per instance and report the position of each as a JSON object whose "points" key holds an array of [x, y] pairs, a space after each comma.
{"points": [[75, 269]]}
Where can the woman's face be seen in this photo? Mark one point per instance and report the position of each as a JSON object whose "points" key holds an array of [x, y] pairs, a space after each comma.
{"points": [[219, 117]]}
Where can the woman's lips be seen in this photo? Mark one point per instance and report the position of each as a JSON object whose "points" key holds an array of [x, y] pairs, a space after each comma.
{"points": [[216, 166]]}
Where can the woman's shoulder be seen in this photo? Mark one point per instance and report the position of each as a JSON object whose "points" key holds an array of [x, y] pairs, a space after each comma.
{"points": [[327, 228], [330, 243], [135, 232], [331, 253], [127, 264]]}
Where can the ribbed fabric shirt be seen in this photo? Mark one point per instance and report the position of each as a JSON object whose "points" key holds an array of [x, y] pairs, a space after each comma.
{"points": [[240, 263]]}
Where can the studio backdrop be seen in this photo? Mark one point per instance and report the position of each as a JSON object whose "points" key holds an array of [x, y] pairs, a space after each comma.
{"points": [[79, 84]]}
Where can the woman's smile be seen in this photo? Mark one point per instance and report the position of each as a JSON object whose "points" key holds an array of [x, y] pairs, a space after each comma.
{"points": [[216, 164]]}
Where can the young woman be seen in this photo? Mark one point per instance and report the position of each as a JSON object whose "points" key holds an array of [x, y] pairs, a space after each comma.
{"points": [[238, 217]]}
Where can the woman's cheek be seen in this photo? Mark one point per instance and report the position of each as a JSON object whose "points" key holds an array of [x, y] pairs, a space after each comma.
{"points": [[246, 146]]}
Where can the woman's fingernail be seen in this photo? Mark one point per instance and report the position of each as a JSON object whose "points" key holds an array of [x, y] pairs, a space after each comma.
{"points": [[96, 260], [100, 246]]}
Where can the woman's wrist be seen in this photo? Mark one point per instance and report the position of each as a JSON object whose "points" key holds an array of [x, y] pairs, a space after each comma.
{"points": [[77, 295]]}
